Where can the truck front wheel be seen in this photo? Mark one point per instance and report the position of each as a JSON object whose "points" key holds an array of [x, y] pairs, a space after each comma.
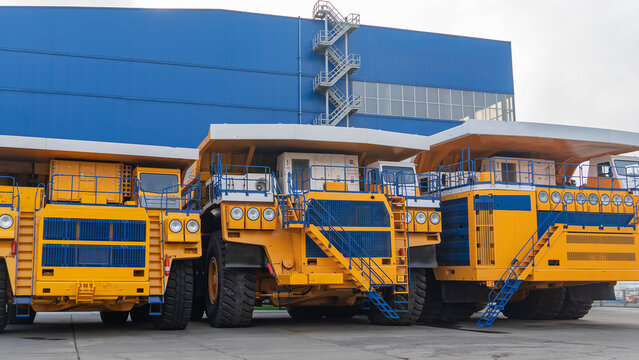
{"points": [[4, 315], [178, 297]]}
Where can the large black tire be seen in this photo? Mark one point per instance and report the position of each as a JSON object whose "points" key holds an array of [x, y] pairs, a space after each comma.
{"points": [[433, 301], [140, 314], [15, 320], [198, 308], [543, 304], [114, 317], [231, 301], [4, 295], [573, 310], [303, 313], [178, 298], [416, 297]]}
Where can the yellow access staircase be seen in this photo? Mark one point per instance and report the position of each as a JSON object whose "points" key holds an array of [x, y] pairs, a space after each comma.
{"points": [[25, 254], [156, 265]]}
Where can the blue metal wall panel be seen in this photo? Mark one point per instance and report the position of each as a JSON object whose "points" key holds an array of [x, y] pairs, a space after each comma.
{"points": [[133, 75], [367, 244], [583, 219], [503, 202]]}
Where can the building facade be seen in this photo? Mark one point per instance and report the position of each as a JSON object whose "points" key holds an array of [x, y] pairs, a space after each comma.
{"points": [[160, 77]]}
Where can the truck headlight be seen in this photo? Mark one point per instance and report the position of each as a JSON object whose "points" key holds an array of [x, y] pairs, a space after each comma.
{"points": [[616, 199], [555, 197], [409, 217], [593, 199], [628, 200], [6, 221], [435, 218], [543, 196], [175, 225], [237, 213], [420, 217], [605, 199], [568, 198], [581, 198], [192, 226], [268, 214], [253, 214]]}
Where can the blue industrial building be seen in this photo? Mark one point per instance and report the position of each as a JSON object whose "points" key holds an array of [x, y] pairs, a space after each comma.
{"points": [[160, 77]]}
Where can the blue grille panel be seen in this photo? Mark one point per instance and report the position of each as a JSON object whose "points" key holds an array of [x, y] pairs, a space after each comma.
{"points": [[353, 213], [371, 244], [583, 219], [93, 256], [94, 229], [454, 247]]}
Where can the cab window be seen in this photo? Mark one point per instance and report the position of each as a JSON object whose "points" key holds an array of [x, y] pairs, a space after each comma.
{"points": [[627, 168], [405, 175], [603, 169], [158, 183]]}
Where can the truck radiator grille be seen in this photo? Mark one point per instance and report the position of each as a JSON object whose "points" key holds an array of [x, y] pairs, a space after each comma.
{"points": [[484, 234], [94, 230], [353, 213], [601, 256], [372, 243], [600, 239], [93, 255]]}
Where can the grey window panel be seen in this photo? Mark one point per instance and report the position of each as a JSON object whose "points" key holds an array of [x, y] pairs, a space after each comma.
{"points": [[433, 111], [444, 112], [433, 95], [371, 106], [358, 88], [396, 92], [420, 93], [491, 99], [456, 97], [409, 108], [384, 107], [396, 108], [467, 98], [479, 99], [420, 109], [371, 90], [409, 92], [469, 112], [480, 113], [384, 91], [444, 96], [501, 97], [456, 112]]}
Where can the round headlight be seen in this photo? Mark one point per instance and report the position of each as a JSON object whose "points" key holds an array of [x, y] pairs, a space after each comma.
{"points": [[269, 214], [237, 213], [568, 198], [192, 226], [435, 218], [605, 199], [6, 221], [628, 200], [616, 199], [420, 217], [175, 225], [593, 199], [253, 214], [555, 197], [543, 196], [409, 217], [581, 198]]}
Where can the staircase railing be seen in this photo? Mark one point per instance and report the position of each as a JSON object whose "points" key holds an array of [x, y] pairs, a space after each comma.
{"points": [[348, 246], [14, 193]]}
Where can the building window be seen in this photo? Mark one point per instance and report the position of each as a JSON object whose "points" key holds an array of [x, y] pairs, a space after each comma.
{"points": [[433, 103]]}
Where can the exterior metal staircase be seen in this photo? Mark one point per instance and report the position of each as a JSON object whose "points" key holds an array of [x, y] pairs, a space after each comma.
{"points": [[343, 64], [25, 256], [522, 267], [156, 266]]}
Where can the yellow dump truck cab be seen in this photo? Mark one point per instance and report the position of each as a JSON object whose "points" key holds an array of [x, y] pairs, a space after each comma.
{"points": [[314, 232], [531, 235], [92, 242]]}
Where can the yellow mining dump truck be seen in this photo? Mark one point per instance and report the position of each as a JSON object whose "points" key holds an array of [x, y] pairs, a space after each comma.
{"points": [[110, 237], [296, 219], [529, 225]]}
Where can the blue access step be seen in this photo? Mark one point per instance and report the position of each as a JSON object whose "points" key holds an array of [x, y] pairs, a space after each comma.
{"points": [[495, 307], [379, 302]]}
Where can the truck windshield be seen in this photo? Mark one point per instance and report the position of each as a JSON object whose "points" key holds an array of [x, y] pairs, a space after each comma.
{"points": [[392, 174], [627, 168], [158, 183]]}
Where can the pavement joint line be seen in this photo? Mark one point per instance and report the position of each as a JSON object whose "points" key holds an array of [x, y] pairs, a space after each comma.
{"points": [[75, 341]]}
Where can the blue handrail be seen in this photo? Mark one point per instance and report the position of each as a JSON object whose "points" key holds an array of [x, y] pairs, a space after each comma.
{"points": [[188, 201], [42, 198], [323, 174], [15, 193], [417, 186]]}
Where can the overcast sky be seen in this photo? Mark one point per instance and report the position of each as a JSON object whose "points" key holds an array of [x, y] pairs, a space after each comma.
{"points": [[575, 62]]}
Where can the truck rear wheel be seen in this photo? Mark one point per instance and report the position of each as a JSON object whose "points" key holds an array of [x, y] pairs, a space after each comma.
{"points": [[415, 298], [230, 292], [21, 320], [4, 315], [178, 297], [114, 317], [140, 314], [433, 300], [573, 310], [538, 305]]}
